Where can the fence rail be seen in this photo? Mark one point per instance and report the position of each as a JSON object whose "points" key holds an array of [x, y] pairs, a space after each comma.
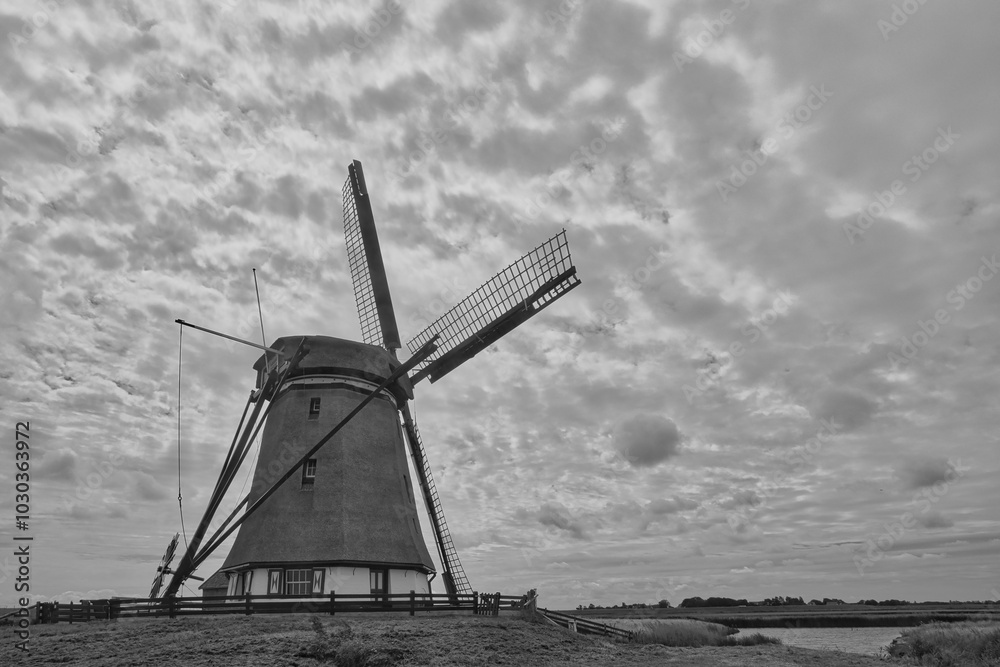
{"points": [[585, 626], [488, 604]]}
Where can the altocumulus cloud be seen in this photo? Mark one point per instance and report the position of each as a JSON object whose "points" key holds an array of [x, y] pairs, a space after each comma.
{"points": [[556, 515], [847, 409], [646, 440], [927, 472], [935, 520]]}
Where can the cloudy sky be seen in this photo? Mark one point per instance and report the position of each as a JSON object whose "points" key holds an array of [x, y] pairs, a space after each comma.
{"points": [[778, 377]]}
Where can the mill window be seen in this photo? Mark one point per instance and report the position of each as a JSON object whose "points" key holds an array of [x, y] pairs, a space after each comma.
{"points": [[309, 473], [298, 582], [314, 407]]}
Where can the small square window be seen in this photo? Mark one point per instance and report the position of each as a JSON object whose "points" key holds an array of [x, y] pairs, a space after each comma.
{"points": [[309, 472], [314, 408]]}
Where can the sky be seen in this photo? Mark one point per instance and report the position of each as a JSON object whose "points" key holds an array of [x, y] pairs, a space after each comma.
{"points": [[777, 377]]}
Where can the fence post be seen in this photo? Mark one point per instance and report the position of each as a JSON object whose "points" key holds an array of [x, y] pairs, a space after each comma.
{"points": [[114, 609], [249, 608], [475, 602], [171, 601], [55, 612], [413, 602], [87, 607], [333, 603], [496, 604]]}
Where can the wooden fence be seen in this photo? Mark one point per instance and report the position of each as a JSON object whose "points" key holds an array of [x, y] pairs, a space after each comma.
{"points": [[585, 626], [488, 604]]}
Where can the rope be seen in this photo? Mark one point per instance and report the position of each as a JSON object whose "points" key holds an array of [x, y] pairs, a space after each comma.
{"points": [[180, 503]]}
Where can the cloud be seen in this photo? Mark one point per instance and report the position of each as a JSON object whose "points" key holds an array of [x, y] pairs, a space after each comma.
{"points": [[147, 488], [847, 409], [57, 465], [646, 440], [927, 472], [935, 520], [743, 498], [665, 506], [557, 516]]}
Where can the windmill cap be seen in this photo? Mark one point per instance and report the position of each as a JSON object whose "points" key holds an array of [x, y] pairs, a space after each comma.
{"points": [[329, 355]]}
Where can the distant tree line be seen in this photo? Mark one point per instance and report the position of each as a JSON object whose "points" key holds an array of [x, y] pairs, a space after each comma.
{"points": [[776, 601], [713, 602], [662, 604]]}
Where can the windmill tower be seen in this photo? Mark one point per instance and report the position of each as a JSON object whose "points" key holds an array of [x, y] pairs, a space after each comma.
{"points": [[333, 504]]}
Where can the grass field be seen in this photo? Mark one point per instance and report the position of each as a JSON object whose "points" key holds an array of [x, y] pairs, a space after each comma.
{"points": [[371, 640]]}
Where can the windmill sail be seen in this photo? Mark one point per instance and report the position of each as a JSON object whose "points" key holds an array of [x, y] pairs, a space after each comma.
{"points": [[164, 567], [498, 307], [455, 581], [378, 327], [371, 290]]}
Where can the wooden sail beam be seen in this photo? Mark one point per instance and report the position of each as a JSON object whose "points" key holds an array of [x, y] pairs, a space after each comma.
{"points": [[234, 338], [188, 563]]}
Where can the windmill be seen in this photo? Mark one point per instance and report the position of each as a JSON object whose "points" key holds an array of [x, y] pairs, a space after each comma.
{"points": [[332, 505]]}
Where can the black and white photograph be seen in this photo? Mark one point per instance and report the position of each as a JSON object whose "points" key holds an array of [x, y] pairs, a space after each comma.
{"points": [[695, 302]]}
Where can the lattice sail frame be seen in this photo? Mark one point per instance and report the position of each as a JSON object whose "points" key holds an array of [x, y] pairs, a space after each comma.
{"points": [[498, 306], [161, 570], [364, 293]]}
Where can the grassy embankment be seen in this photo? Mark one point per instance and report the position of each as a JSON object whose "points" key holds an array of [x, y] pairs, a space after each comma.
{"points": [[441, 640], [949, 645], [841, 616]]}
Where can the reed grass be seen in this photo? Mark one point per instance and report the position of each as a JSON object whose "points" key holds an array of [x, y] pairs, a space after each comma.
{"points": [[969, 644], [685, 632]]}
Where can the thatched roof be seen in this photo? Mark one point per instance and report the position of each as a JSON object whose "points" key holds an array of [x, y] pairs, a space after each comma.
{"points": [[217, 580]]}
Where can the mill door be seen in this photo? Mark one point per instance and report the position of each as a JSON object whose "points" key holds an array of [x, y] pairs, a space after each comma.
{"points": [[380, 585]]}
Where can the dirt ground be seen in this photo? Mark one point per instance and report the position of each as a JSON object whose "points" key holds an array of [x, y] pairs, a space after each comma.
{"points": [[439, 640]]}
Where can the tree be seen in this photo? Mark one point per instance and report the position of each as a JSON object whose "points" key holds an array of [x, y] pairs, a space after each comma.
{"points": [[663, 604]]}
